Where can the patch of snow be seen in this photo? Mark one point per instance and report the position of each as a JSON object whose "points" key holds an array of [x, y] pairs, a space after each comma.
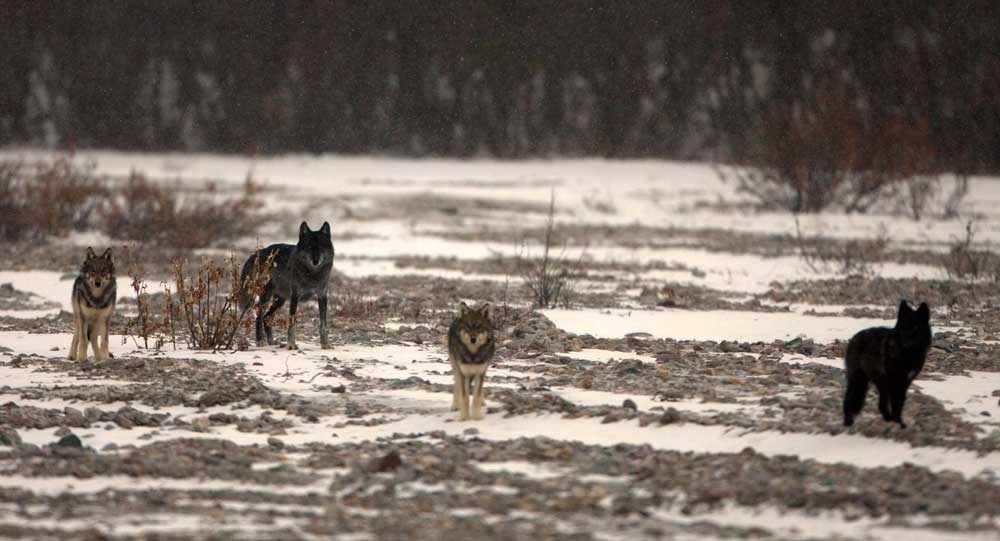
{"points": [[530, 470], [680, 324], [971, 395]]}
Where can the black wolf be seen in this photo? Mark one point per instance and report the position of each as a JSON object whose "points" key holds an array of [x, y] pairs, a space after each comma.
{"points": [[298, 272], [891, 359], [470, 348], [94, 296]]}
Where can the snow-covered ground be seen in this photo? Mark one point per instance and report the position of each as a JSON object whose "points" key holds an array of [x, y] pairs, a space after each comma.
{"points": [[368, 396]]}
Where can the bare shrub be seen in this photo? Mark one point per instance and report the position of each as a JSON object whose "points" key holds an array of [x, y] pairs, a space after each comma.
{"points": [[549, 278], [143, 326], [353, 306], [12, 201], [50, 198], [209, 302], [146, 212], [853, 256], [820, 152], [964, 261]]}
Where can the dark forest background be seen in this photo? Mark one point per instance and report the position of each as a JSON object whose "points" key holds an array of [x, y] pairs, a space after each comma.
{"points": [[723, 80]]}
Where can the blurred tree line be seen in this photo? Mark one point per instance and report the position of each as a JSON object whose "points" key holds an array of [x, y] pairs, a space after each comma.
{"points": [[715, 79]]}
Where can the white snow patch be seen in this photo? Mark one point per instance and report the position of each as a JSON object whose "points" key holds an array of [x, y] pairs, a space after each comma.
{"points": [[531, 470], [708, 325], [971, 395]]}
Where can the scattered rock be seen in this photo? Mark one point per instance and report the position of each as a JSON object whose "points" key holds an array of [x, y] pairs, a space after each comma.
{"points": [[391, 461], [69, 440], [275, 443], [9, 436]]}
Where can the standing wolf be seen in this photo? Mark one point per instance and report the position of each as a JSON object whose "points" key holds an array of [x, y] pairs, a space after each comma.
{"points": [[470, 349], [298, 272], [890, 358], [94, 296]]}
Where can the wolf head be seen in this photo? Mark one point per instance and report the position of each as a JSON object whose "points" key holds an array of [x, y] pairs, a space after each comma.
{"points": [[98, 270], [475, 327], [315, 245], [913, 327]]}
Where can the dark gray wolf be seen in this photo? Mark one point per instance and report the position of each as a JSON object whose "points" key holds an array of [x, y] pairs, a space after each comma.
{"points": [[94, 296], [298, 272], [471, 346], [891, 359]]}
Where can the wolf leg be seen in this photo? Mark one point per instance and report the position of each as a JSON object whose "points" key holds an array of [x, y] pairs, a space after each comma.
{"points": [[477, 401], [293, 308], [81, 348], [105, 345], [93, 333], [274, 306], [898, 399], [77, 325], [324, 340], [883, 399], [854, 396], [463, 398], [457, 389], [100, 328]]}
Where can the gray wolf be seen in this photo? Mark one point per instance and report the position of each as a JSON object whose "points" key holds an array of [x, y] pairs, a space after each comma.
{"points": [[471, 345], [891, 359], [94, 296], [298, 272]]}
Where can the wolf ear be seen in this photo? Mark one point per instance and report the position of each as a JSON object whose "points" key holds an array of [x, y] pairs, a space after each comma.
{"points": [[924, 312], [107, 254], [463, 309], [90, 253], [487, 310], [325, 229], [904, 309], [304, 229]]}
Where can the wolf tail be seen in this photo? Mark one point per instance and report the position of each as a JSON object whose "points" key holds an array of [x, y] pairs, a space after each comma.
{"points": [[246, 275], [854, 395]]}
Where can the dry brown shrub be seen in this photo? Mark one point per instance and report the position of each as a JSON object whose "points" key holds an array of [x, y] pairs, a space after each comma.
{"points": [[821, 152], [49, 198], [209, 302], [146, 212], [550, 277]]}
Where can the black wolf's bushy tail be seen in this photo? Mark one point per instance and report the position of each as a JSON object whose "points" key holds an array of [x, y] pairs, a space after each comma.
{"points": [[246, 275], [854, 395]]}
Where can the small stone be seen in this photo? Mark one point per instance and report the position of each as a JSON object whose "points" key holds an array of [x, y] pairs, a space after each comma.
{"points": [[649, 297], [92, 414], [70, 440], [629, 404], [670, 416], [9, 436], [612, 417], [472, 431], [275, 443], [211, 398], [338, 389], [391, 461], [54, 348]]}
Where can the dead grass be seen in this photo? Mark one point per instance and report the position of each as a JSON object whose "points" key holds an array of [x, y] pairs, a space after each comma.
{"points": [[49, 198], [208, 305], [850, 257], [145, 212], [57, 197], [549, 277], [963, 261]]}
